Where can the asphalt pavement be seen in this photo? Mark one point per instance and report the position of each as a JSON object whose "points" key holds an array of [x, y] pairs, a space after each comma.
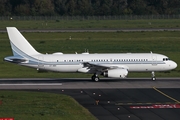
{"points": [[112, 99], [127, 104]]}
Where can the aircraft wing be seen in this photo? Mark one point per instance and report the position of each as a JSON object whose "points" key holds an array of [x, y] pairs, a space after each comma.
{"points": [[101, 67]]}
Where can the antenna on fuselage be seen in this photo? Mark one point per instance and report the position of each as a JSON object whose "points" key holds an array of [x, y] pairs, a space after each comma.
{"points": [[86, 51]]}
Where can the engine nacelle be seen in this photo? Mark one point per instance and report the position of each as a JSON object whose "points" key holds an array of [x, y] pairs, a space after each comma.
{"points": [[116, 73]]}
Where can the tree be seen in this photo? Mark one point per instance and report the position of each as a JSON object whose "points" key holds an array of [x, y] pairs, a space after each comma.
{"points": [[105, 8], [138, 7], [5, 7], [22, 9], [60, 7], [84, 8], [43, 7], [88, 7], [71, 5], [119, 7], [174, 5]]}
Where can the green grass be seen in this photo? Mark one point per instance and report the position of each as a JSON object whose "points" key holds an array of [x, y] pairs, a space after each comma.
{"points": [[41, 106], [80, 24], [167, 43]]}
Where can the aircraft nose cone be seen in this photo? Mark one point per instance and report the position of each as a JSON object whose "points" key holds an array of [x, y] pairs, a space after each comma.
{"points": [[174, 65]]}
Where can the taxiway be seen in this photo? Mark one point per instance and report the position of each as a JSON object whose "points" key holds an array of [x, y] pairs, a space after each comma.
{"points": [[112, 99], [86, 83]]}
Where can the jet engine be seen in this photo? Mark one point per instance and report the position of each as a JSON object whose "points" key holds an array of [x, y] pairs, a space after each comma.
{"points": [[116, 73]]}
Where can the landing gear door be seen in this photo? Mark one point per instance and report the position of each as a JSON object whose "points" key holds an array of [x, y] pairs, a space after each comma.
{"points": [[154, 60]]}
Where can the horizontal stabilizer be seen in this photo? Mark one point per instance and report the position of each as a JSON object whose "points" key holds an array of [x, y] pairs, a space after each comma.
{"points": [[15, 59]]}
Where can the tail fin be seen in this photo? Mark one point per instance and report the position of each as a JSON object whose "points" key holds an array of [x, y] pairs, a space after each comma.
{"points": [[20, 46]]}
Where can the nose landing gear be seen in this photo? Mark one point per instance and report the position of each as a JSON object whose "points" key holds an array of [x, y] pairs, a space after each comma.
{"points": [[153, 76]]}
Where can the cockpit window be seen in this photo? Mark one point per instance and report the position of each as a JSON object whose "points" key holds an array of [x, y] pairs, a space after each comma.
{"points": [[166, 59]]}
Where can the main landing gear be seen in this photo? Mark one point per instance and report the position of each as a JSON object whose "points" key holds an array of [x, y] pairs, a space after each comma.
{"points": [[95, 78], [153, 76]]}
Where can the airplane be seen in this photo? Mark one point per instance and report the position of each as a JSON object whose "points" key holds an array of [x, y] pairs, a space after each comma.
{"points": [[108, 65]]}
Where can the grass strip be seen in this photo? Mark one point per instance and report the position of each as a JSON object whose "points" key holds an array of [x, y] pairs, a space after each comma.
{"points": [[23, 105], [82, 24]]}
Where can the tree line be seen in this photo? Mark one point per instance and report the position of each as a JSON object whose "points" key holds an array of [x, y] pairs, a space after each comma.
{"points": [[88, 7]]}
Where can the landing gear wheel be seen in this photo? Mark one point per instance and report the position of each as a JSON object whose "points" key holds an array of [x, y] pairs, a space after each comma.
{"points": [[153, 76], [95, 78]]}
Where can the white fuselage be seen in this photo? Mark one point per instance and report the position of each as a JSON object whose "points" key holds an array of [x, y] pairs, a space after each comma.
{"points": [[133, 62]]}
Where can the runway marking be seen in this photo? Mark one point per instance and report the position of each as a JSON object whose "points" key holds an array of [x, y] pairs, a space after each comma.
{"points": [[166, 95], [156, 106], [145, 103], [44, 84]]}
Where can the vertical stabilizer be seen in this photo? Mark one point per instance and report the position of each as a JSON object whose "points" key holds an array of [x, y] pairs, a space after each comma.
{"points": [[20, 46]]}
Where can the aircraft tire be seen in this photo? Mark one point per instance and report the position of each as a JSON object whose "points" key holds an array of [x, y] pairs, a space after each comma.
{"points": [[95, 78], [153, 78]]}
